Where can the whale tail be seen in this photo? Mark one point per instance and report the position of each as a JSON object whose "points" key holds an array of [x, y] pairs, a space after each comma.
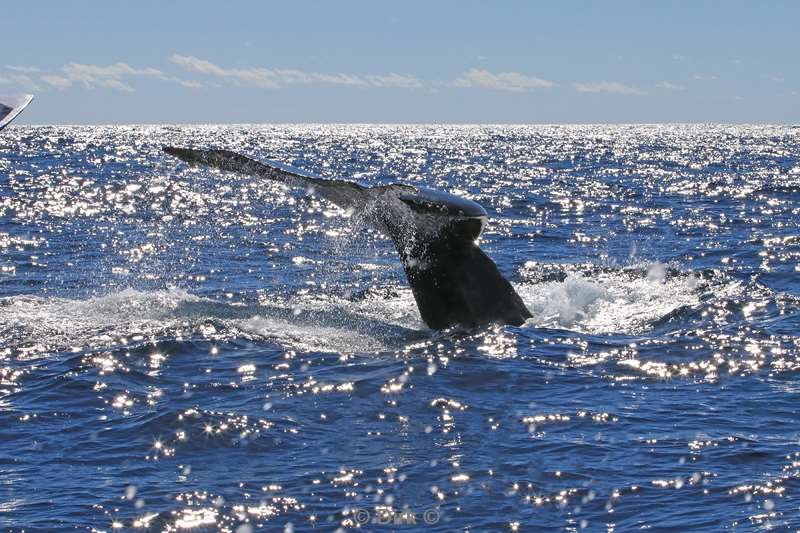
{"points": [[10, 107], [453, 281], [345, 194]]}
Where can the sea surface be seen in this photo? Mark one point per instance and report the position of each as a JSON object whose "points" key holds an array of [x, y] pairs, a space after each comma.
{"points": [[184, 349]]}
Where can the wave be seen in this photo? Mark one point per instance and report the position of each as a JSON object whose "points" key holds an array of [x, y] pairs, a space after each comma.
{"points": [[590, 300], [32, 325], [606, 301]]}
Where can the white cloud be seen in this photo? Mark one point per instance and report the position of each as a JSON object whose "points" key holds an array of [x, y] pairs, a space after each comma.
{"points": [[26, 70], [611, 87], [121, 76], [200, 66], [19, 80], [93, 76], [105, 76], [503, 81], [57, 82], [191, 84], [267, 78], [395, 80], [705, 78], [670, 86]]}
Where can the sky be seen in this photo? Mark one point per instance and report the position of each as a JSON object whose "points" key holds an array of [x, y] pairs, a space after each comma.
{"points": [[444, 61]]}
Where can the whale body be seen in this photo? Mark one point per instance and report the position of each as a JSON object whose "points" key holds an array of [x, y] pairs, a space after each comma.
{"points": [[455, 284]]}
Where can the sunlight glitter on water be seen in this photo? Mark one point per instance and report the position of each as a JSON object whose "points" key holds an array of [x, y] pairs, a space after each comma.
{"points": [[245, 357]]}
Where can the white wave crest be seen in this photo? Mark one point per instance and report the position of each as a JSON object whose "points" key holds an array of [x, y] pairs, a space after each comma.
{"points": [[33, 325], [608, 302]]}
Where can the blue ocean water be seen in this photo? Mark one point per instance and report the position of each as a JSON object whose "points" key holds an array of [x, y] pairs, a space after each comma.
{"points": [[182, 348]]}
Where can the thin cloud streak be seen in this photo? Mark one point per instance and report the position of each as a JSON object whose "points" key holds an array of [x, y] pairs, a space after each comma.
{"points": [[609, 87], [20, 80], [501, 81], [24, 70], [121, 76], [267, 78], [93, 76], [670, 86]]}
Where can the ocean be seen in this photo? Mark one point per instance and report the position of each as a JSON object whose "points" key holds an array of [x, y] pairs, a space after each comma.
{"points": [[187, 349]]}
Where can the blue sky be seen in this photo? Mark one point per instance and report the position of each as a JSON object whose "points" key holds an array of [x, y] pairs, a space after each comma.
{"points": [[428, 61]]}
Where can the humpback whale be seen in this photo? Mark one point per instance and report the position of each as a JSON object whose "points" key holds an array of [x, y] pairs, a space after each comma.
{"points": [[10, 107], [453, 281]]}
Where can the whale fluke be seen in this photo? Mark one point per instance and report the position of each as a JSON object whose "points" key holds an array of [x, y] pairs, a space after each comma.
{"points": [[11, 106], [345, 194], [453, 281]]}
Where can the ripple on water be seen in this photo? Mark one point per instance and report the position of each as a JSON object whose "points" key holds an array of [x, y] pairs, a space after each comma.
{"points": [[184, 349]]}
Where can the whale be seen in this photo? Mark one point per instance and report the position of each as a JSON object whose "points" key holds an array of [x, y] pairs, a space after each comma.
{"points": [[11, 106], [454, 283]]}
